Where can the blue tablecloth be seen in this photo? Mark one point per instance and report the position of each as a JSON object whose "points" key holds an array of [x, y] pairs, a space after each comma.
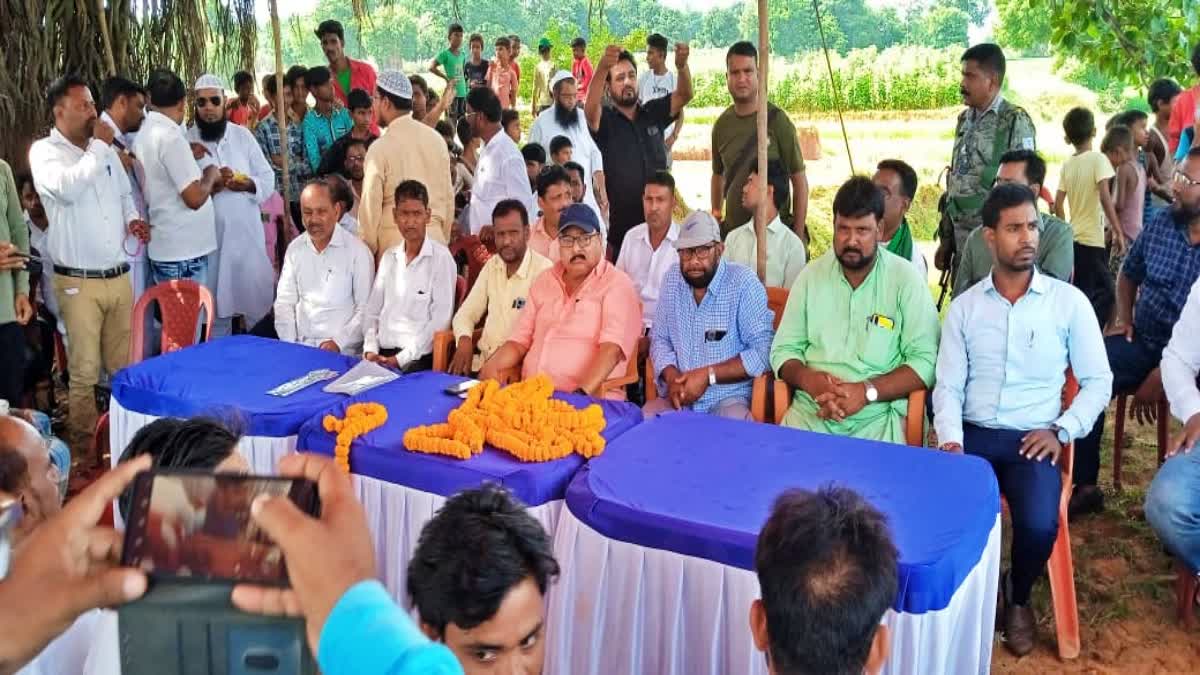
{"points": [[419, 399], [231, 376], [703, 486]]}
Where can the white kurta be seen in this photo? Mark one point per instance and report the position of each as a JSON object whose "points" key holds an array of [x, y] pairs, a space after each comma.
{"points": [[240, 273], [584, 150]]}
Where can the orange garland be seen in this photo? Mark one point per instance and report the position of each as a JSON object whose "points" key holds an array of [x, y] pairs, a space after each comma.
{"points": [[361, 418], [520, 419]]}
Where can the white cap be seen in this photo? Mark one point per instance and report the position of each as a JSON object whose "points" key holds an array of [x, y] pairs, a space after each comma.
{"points": [[396, 83], [559, 77], [209, 81]]}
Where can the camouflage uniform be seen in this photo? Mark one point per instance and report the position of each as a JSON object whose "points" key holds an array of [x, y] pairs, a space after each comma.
{"points": [[974, 162]]}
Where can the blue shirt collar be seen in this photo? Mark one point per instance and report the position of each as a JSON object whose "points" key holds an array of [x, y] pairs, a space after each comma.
{"points": [[1036, 285]]}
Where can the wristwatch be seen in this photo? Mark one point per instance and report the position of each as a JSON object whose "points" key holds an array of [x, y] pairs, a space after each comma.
{"points": [[1061, 434], [872, 392], [712, 376]]}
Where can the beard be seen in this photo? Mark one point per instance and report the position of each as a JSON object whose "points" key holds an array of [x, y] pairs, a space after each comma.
{"points": [[626, 98], [1183, 214], [864, 260], [211, 131], [703, 280], [567, 118]]}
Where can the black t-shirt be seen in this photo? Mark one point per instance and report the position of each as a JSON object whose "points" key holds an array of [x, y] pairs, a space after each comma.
{"points": [[633, 150], [476, 73]]}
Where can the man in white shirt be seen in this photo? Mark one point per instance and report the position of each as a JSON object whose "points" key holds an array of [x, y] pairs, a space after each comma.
{"points": [[566, 118], [500, 173], [243, 278], [124, 104], [177, 191], [785, 252], [326, 278], [39, 238], [898, 183], [87, 198], [658, 82], [413, 295], [648, 250], [1173, 499]]}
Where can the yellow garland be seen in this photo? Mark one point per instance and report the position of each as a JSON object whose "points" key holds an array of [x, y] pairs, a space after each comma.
{"points": [[520, 419], [360, 419]]}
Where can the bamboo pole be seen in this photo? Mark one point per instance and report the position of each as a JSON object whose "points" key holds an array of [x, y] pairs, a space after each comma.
{"points": [[760, 213], [109, 61], [281, 112]]}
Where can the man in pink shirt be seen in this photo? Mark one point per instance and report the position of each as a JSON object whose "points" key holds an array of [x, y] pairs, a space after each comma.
{"points": [[553, 196], [583, 317], [348, 74], [581, 67]]}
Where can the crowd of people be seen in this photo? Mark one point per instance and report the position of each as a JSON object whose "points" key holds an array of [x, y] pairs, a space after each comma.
{"points": [[592, 275]]}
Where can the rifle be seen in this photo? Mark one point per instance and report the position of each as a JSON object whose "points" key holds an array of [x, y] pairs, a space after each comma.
{"points": [[946, 239]]}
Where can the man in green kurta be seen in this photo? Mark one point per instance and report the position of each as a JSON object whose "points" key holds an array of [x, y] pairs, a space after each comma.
{"points": [[859, 332]]}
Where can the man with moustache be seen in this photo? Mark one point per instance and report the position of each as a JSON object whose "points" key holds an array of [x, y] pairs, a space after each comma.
{"points": [[88, 202], [553, 196], [989, 127], [859, 332], [243, 277], [698, 367], [1005, 350], [124, 105], [348, 74], [500, 172], [629, 134], [581, 323], [326, 278], [501, 290], [565, 118]]}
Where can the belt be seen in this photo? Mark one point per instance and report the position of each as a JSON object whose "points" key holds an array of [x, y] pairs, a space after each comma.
{"points": [[111, 273]]}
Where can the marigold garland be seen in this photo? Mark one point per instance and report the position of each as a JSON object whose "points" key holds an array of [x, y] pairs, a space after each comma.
{"points": [[361, 418], [520, 419]]}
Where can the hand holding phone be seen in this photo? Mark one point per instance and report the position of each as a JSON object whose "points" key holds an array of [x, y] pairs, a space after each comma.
{"points": [[326, 555]]}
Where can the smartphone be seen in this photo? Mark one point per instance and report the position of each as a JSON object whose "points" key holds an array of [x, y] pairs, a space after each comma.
{"points": [[461, 388], [196, 526]]}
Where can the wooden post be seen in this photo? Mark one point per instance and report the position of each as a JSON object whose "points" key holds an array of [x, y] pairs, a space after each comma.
{"points": [[281, 113], [760, 213], [109, 61]]}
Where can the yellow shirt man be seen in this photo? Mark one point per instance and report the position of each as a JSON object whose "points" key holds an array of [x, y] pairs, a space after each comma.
{"points": [[501, 297]]}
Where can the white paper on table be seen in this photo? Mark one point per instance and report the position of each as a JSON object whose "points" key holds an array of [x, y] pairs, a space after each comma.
{"points": [[360, 378]]}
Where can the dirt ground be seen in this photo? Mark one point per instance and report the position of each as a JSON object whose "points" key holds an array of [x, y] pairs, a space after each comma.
{"points": [[1124, 584]]}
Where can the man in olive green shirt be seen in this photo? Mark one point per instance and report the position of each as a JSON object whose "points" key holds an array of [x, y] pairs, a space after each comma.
{"points": [[15, 308], [859, 332], [1056, 249]]}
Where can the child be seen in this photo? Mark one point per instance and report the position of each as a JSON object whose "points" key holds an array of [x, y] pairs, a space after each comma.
{"points": [[1160, 164], [476, 69], [1128, 201], [535, 159], [510, 122], [449, 65], [581, 67], [561, 150], [501, 76], [1084, 183], [1138, 123]]}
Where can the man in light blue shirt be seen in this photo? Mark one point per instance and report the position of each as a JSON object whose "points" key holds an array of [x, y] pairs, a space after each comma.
{"points": [[712, 333], [1006, 345]]}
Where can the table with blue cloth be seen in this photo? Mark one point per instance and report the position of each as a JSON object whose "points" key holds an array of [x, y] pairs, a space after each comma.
{"points": [[227, 378], [401, 490], [657, 547]]}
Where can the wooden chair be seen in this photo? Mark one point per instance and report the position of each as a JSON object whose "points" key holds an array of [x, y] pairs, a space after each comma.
{"points": [[180, 303], [914, 422], [1164, 420]]}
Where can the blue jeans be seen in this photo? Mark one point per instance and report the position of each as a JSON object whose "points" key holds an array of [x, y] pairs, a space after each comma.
{"points": [[1032, 489], [1131, 362], [1173, 507], [195, 270]]}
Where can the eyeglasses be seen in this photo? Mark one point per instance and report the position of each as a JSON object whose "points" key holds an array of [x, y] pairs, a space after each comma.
{"points": [[572, 240], [351, 159], [205, 101], [1183, 179], [702, 252]]}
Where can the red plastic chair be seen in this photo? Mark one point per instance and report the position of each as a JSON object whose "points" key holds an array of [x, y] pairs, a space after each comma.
{"points": [[180, 303], [476, 252]]}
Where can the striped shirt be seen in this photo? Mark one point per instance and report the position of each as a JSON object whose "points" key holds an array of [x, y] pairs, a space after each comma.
{"points": [[731, 320]]}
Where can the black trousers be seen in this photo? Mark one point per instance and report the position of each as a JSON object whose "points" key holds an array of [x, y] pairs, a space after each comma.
{"points": [[1093, 278], [12, 362]]}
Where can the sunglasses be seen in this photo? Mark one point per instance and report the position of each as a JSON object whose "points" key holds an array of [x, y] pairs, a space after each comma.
{"points": [[205, 101]]}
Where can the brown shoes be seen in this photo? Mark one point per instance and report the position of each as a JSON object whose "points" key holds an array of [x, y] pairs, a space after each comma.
{"points": [[1019, 629]]}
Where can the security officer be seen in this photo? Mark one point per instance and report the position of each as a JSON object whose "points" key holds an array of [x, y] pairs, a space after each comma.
{"points": [[989, 127]]}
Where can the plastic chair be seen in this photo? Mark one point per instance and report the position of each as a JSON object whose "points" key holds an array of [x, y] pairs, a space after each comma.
{"points": [[475, 252], [1164, 418], [776, 300], [179, 302], [443, 340], [1185, 595], [914, 422]]}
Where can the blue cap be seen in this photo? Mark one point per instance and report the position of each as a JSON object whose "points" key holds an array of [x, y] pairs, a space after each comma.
{"points": [[581, 216]]}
